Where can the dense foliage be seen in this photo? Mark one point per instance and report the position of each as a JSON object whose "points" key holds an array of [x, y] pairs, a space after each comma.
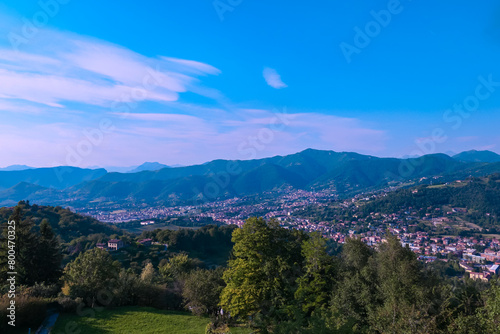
{"points": [[282, 281], [481, 196], [210, 243], [36, 255], [66, 224], [277, 280]]}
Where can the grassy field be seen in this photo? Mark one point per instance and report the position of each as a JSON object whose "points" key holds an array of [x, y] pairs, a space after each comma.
{"points": [[132, 320]]}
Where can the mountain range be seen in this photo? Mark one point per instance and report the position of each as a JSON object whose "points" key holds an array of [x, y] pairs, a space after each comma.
{"points": [[148, 166], [15, 167], [477, 156], [345, 173], [110, 169]]}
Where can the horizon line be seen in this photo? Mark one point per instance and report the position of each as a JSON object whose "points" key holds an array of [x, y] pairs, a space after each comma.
{"points": [[177, 165]]}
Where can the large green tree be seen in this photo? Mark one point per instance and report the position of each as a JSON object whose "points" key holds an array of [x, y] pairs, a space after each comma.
{"points": [[92, 276], [177, 267], [262, 274], [404, 289], [49, 254], [202, 289], [37, 254], [356, 293], [26, 248], [317, 282]]}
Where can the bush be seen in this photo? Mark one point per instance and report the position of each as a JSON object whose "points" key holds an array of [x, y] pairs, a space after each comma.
{"points": [[217, 329], [43, 290], [69, 305], [30, 311]]}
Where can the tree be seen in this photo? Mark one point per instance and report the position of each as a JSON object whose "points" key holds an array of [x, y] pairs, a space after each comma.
{"points": [[148, 273], [403, 289], [316, 284], [26, 252], [202, 290], [92, 275], [49, 254], [490, 315], [128, 289], [356, 293], [176, 267], [261, 277]]}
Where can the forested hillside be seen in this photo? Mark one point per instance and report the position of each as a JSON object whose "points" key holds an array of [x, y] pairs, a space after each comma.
{"points": [[66, 225], [342, 173], [277, 280], [477, 195]]}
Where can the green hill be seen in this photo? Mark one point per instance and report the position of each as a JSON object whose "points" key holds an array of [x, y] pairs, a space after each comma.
{"points": [[346, 173], [56, 177], [477, 156], [66, 224], [480, 196]]}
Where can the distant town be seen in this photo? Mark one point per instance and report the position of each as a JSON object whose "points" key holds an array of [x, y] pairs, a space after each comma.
{"points": [[431, 235]]}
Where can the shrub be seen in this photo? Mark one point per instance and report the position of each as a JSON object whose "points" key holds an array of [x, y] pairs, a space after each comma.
{"points": [[69, 305], [30, 311], [44, 290], [217, 329]]}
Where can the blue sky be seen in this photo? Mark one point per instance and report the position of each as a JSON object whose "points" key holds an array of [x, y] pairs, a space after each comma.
{"points": [[184, 82]]}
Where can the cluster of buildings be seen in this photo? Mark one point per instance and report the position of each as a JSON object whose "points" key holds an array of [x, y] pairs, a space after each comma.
{"points": [[230, 211], [484, 273], [429, 232]]}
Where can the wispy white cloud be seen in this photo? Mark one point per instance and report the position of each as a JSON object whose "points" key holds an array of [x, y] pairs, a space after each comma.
{"points": [[157, 117], [194, 66], [273, 79], [237, 131], [186, 139], [89, 71], [57, 90]]}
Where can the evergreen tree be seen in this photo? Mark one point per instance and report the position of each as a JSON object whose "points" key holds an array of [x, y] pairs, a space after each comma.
{"points": [[490, 315], [316, 285], [37, 256], [49, 255], [404, 291], [356, 294], [26, 244]]}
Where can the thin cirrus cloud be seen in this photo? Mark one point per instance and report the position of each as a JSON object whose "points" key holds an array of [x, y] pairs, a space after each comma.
{"points": [[89, 71], [201, 137], [67, 87], [273, 79]]}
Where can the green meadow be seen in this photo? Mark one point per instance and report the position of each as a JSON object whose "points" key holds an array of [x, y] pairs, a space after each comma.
{"points": [[140, 320]]}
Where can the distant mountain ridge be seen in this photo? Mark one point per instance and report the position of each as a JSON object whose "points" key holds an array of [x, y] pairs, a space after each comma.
{"points": [[50, 177], [15, 167], [135, 168], [148, 166], [346, 173], [477, 156]]}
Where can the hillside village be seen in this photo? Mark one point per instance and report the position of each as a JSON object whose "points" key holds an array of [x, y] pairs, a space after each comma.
{"points": [[435, 233]]}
